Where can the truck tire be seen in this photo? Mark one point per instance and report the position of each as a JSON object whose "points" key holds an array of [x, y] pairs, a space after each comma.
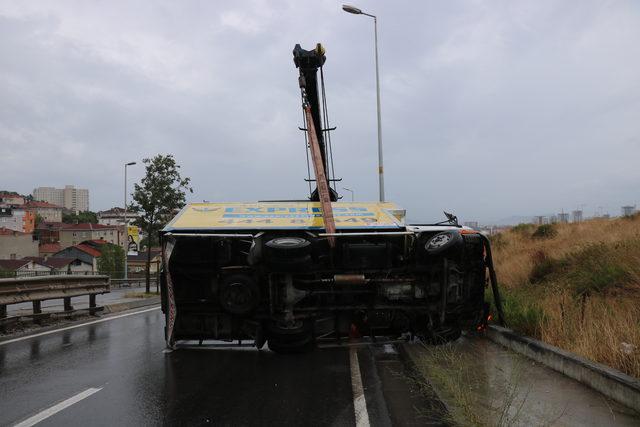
{"points": [[239, 294], [288, 253], [291, 340], [442, 242]]}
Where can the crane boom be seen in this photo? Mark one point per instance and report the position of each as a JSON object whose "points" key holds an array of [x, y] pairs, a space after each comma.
{"points": [[321, 178]]}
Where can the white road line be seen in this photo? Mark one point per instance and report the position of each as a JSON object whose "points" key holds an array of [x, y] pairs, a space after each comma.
{"points": [[106, 319], [359, 401], [40, 416]]}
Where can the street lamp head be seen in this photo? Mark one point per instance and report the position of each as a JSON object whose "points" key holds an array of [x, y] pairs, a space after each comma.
{"points": [[130, 164], [351, 9]]}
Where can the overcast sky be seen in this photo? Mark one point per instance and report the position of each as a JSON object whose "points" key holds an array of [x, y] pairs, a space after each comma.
{"points": [[490, 108]]}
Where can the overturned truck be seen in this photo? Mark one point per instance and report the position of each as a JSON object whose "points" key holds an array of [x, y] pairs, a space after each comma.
{"points": [[289, 272]]}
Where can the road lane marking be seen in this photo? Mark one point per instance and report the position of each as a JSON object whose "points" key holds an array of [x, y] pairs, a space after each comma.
{"points": [[93, 322], [359, 401], [43, 415]]}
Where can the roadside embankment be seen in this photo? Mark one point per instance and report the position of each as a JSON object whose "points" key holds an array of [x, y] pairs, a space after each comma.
{"points": [[576, 287]]}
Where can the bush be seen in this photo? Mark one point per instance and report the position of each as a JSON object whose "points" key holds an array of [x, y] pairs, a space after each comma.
{"points": [[545, 231], [543, 267], [596, 268], [524, 229], [521, 311]]}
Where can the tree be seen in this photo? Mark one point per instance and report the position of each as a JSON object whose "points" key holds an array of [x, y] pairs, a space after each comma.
{"points": [[39, 219], [160, 193], [80, 218], [111, 260]]}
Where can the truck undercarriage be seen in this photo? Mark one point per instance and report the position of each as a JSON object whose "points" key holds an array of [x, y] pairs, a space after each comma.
{"points": [[289, 288]]}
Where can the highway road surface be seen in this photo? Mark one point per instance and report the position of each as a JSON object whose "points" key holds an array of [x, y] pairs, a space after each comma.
{"points": [[115, 371]]}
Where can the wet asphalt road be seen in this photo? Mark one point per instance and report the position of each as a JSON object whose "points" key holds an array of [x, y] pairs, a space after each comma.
{"points": [[140, 383]]}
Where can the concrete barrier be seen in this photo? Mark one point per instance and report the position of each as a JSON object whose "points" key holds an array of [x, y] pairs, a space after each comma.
{"points": [[128, 305], [614, 384]]}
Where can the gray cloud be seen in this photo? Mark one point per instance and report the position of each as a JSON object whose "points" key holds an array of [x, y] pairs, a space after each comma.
{"points": [[489, 108]]}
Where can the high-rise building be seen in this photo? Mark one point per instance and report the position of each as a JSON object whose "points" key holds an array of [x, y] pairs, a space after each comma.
{"points": [[577, 215], [69, 197]]}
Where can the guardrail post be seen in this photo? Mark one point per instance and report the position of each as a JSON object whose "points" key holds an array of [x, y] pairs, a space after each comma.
{"points": [[67, 304], [3, 315], [37, 307], [92, 303]]}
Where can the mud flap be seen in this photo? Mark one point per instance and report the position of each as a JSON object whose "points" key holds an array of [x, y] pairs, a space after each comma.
{"points": [[170, 314]]}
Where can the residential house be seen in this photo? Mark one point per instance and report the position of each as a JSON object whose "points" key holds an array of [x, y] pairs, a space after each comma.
{"points": [[16, 244], [84, 252], [137, 263], [48, 232], [69, 265], [115, 216], [71, 234], [11, 199], [48, 211], [24, 267], [47, 249]]}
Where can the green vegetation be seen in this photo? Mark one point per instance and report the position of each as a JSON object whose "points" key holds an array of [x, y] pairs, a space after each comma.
{"points": [[545, 231], [522, 228], [79, 218], [521, 308], [111, 262], [156, 198]]}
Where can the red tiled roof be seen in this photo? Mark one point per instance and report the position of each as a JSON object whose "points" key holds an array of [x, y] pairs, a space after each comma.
{"points": [[44, 225], [40, 204], [47, 248], [59, 262], [88, 249], [87, 226], [9, 232], [13, 264]]}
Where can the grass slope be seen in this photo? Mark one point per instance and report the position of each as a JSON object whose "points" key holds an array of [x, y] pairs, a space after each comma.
{"points": [[575, 286]]}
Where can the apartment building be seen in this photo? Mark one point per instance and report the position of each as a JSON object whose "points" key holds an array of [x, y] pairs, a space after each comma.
{"points": [[48, 211], [69, 197], [17, 218], [16, 245]]}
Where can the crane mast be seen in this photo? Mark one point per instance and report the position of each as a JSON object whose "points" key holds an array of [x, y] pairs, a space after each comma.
{"points": [[308, 62]]}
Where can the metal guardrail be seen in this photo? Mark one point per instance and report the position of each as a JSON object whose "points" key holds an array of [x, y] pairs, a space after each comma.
{"points": [[38, 289], [132, 282]]}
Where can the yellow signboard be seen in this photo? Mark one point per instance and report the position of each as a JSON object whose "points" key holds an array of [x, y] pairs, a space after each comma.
{"points": [[284, 215], [133, 237]]}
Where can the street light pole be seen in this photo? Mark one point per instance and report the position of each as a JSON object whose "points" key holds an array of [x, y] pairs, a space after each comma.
{"points": [[350, 191], [356, 11], [126, 225]]}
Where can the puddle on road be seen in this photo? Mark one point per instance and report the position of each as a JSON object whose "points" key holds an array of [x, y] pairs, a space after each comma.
{"points": [[485, 384]]}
